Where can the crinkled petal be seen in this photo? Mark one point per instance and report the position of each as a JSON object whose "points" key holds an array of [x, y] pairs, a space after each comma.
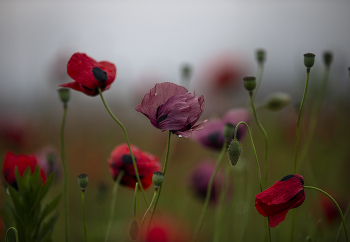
{"points": [[187, 133], [275, 219]]}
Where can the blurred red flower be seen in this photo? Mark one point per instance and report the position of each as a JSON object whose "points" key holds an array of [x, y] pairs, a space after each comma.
{"points": [[88, 74], [146, 163], [21, 162], [171, 107], [276, 201]]}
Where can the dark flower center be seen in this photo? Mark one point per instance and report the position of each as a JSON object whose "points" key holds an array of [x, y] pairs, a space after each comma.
{"points": [[161, 118], [287, 177], [99, 74], [127, 160]]}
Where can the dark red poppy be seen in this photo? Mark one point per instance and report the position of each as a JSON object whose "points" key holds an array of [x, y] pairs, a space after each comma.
{"points": [[276, 201], [89, 75], [121, 160], [171, 107], [21, 162], [212, 136]]}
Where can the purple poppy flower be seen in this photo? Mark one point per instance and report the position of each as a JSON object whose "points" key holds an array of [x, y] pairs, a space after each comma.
{"points": [[171, 107], [212, 134]]}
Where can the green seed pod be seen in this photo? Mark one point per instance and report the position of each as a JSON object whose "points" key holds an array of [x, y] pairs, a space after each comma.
{"points": [[327, 58], [309, 60], [260, 56], [277, 101], [134, 230], [234, 152], [157, 179], [249, 83], [64, 95], [228, 131], [83, 181]]}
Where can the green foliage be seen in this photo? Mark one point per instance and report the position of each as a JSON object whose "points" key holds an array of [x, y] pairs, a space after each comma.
{"points": [[32, 222]]}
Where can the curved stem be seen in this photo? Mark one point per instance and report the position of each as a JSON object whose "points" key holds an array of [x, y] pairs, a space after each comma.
{"points": [[114, 198], [14, 230], [127, 141], [65, 171], [160, 188], [209, 188], [336, 204], [298, 124], [153, 199], [263, 131], [82, 200], [345, 215]]}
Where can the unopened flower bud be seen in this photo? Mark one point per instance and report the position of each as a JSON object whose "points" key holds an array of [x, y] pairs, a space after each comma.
{"points": [[64, 94], [327, 58], [309, 60], [277, 101], [157, 179], [186, 71], [260, 56], [83, 181], [228, 131], [234, 152], [134, 230], [249, 83]]}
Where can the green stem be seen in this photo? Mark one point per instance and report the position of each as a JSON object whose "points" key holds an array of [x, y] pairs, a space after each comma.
{"points": [[345, 215], [114, 198], [14, 230], [259, 78], [82, 200], [160, 188], [298, 124], [138, 203], [209, 188], [265, 135], [65, 171], [135, 198], [127, 141], [153, 199], [336, 204]]}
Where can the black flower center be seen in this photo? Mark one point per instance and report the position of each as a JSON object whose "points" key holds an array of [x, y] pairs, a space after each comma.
{"points": [[287, 177], [161, 118], [99, 74], [127, 160]]}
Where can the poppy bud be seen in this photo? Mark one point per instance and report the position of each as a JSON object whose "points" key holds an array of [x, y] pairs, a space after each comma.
{"points": [[83, 181], [229, 129], [64, 95], [309, 60], [327, 58], [157, 179], [234, 152], [277, 101], [249, 83], [260, 56], [134, 230]]}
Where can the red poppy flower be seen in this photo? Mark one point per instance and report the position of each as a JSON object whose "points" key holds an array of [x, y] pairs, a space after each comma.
{"points": [[171, 107], [89, 75], [121, 160], [22, 162], [276, 201]]}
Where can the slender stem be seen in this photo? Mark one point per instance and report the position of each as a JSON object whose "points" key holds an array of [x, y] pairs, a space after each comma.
{"points": [[138, 204], [160, 188], [259, 78], [82, 200], [148, 209], [336, 204], [313, 119], [127, 141], [345, 215], [135, 198], [209, 188], [65, 171], [298, 124], [264, 132], [14, 230], [114, 198]]}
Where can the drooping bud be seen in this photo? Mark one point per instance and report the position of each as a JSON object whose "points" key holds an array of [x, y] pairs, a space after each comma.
{"points": [[83, 181], [260, 56], [327, 58], [134, 230], [277, 101], [64, 95], [157, 179], [234, 152], [228, 131], [309, 60], [249, 83]]}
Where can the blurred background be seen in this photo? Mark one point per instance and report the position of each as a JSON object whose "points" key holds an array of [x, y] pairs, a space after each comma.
{"points": [[149, 42]]}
